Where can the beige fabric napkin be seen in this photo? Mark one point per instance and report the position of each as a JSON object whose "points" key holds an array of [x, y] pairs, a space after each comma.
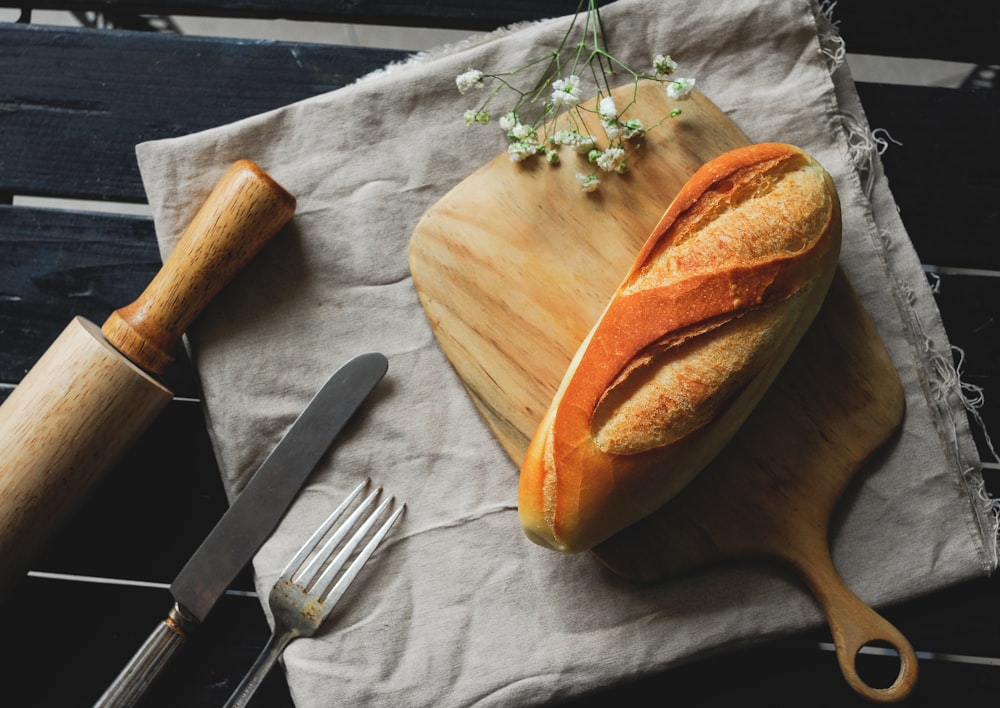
{"points": [[459, 607]]}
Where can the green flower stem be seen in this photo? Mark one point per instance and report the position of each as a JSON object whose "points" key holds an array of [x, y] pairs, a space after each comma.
{"points": [[557, 89]]}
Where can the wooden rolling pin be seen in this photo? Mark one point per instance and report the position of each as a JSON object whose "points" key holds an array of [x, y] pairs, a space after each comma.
{"points": [[94, 391]]}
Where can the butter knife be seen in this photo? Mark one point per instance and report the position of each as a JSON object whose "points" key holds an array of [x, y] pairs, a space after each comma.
{"points": [[245, 526]]}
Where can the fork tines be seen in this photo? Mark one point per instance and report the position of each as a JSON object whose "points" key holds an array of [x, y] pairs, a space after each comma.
{"points": [[318, 575], [307, 590]]}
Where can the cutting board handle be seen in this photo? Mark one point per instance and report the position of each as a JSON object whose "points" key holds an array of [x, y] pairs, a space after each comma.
{"points": [[854, 625], [244, 210]]}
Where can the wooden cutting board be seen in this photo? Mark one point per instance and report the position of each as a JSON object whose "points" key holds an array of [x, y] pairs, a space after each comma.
{"points": [[515, 264]]}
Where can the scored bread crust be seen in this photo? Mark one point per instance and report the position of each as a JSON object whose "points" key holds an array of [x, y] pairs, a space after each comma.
{"points": [[714, 304]]}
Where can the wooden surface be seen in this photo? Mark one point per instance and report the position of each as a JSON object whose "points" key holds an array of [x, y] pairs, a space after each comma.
{"points": [[92, 95], [164, 86], [772, 490], [960, 31], [240, 216], [515, 264], [87, 400], [73, 416], [510, 305]]}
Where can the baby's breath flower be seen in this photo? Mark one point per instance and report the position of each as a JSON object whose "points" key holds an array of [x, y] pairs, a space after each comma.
{"points": [[473, 78], [519, 150], [561, 137], [566, 92], [611, 159], [481, 117], [663, 66], [632, 127], [609, 117], [523, 132], [508, 121], [574, 139], [679, 89], [588, 183], [547, 114], [607, 109]]}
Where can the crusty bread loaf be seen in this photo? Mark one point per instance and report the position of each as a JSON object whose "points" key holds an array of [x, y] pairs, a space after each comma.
{"points": [[713, 306]]}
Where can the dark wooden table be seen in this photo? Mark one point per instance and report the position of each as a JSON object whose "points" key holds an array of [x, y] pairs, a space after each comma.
{"points": [[73, 104]]}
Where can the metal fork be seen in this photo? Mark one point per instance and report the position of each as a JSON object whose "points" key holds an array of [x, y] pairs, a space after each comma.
{"points": [[303, 597]]}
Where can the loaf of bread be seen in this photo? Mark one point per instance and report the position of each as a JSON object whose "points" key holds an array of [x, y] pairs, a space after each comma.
{"points": [[711, 309]]}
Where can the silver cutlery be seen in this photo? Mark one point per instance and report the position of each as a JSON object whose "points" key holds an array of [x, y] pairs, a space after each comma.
{"points": [[304, 595], [247, 523]]}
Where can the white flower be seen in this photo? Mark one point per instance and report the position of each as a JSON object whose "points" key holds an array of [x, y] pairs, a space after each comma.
{"points": [[663, 65], [523, 133], [575, 140], [476, 117], [557, 93], [508, 121], [607, 109], [473, 78], [588, 183], [611, 159], [520, 151], [609, 117], [679, 89], [566, 92], [562, 137], [633, 127]]}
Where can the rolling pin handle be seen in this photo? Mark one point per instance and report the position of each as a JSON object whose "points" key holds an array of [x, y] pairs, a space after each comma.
{"points": [[241, 214]]}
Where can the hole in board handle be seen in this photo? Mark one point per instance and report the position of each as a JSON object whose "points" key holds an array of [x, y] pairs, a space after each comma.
{"points": [[878, 664]]}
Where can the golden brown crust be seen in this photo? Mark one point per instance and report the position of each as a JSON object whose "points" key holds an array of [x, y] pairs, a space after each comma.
{"points": [[715, 302]]}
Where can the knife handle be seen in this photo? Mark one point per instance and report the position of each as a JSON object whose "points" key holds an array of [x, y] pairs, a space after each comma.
{"points": [[244, 210], [151, 659]]}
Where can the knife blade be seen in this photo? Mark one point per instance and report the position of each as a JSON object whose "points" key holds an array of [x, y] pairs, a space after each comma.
{"points": [[250, 520]]}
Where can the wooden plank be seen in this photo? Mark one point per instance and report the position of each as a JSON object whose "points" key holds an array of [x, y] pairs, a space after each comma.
{"points": [[432, 13], [740, 677], [958, 30], [956, 621], [94, 94], [144, 521], [205, 672], [51, 671], [961, 30], [170, 86], [59, 264], [173, 453], [968, 306], [164, 92], [941, 172]]}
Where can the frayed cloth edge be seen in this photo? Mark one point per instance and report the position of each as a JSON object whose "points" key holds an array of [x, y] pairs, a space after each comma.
{"points": [[864, 146]]}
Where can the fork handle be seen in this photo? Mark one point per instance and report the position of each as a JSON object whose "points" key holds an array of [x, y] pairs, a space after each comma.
{"points": [[257, 673], [151, 659]]}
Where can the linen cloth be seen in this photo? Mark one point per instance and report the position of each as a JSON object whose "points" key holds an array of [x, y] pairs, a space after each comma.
{"points": [[458, 607]]}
